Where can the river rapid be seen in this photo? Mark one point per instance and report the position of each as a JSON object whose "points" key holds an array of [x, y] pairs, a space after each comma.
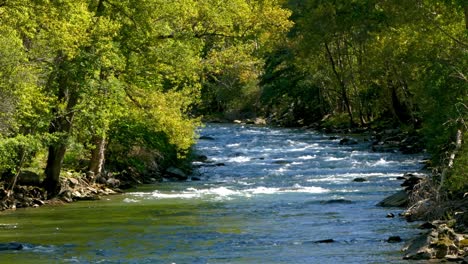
{"points": [[267, 196]]}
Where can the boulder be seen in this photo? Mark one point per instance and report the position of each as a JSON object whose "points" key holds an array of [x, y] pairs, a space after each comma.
{"points": [[113, 182], [176, 173], [200, 158], [260, 121], [348, 141], [29, 178], [399, 199], [418, 248], [394, 239]]}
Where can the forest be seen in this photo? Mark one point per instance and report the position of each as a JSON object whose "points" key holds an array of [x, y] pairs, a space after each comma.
{"points": [[94, 86]]}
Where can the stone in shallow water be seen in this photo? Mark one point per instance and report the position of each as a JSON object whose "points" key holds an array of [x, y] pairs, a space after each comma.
{"points": [[394, 239], [337, 201], [329, 240], [11, 246], [399, 199], [360, 180]]}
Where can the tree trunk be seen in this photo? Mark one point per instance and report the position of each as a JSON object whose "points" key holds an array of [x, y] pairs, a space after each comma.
{"points": [[97, 155], [399, 108], [57, 151], [343, 93], [61, 126]]}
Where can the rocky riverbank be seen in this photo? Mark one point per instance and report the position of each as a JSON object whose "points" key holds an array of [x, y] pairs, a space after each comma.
{"points": [[72, 189], [439, 240]]}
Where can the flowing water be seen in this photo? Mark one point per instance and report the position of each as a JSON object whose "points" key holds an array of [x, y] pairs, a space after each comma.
{"points": [[279, 191]]}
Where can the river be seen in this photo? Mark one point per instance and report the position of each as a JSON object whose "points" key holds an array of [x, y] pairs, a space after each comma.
{"points": [[279, 191]]}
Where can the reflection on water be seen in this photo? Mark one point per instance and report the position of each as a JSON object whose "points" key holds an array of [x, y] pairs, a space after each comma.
{"points": [[279, 191]]}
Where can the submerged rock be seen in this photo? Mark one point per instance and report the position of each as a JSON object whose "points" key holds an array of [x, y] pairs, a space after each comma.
{"points": [[360, 180], [394, 239], [11, 246], [336, 201], [329, 240], [206, 138], [348, 141]]}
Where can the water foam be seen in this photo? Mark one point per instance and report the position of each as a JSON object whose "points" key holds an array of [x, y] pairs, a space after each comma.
{"points": [[225, 193]]}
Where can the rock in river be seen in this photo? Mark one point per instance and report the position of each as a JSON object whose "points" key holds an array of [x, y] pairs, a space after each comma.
{"points": [[399, 199], [11, 246]]}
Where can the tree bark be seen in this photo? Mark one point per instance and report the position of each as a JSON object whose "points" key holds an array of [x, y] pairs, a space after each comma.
{"points": [[443, 176], [97, 155]]}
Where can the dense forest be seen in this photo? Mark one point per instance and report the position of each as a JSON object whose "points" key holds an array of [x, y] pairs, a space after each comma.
{"points": [[94, 85]]}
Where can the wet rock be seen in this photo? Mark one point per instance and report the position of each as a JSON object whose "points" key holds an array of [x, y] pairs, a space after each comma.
{"points": [[200, 158], [336, 201], [176, 173], [427, 225], [360, 180], [281, 162], [382, 147], [206, 138], [454, 258], [348, 141], [390, 215], [323, 241], [11, 246], [195, 178], [394, 239], [399, 199], [412, 180], [418, 249]]}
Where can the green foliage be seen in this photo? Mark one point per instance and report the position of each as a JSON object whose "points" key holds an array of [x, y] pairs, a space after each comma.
{"points": [[18, 151], [77, 68], [136, 144]]}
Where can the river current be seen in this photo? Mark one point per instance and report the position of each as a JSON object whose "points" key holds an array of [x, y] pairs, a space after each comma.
{"points": [[267, 195]]}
